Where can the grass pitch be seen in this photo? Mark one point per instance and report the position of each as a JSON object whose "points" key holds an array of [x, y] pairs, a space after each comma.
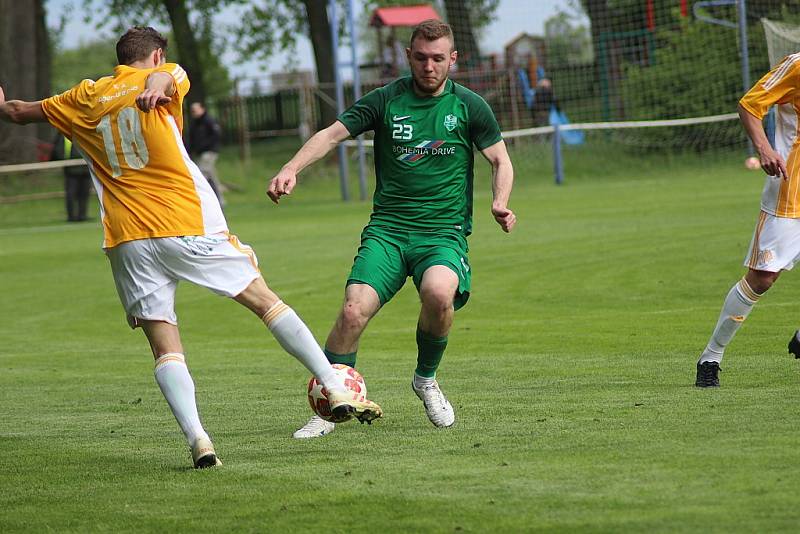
{"points": [[571, 371]]}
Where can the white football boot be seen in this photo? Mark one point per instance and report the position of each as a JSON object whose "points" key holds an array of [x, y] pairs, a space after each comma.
{"points": [[438, 408], [315, 428], [204, 455]]}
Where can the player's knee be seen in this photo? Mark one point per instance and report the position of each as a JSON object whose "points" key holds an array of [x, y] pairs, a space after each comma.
{"points": [[437, 299], [761, 281], [354, 315]]}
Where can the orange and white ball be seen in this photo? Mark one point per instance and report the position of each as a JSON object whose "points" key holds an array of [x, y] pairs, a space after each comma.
{"points": [[318, 395], [752, 163]]}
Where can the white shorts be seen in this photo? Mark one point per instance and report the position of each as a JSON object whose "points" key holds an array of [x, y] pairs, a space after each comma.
{"points": [[775, 245], [147, 271]]}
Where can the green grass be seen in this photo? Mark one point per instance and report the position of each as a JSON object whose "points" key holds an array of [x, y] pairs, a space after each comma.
{"points": [[571, 371]]}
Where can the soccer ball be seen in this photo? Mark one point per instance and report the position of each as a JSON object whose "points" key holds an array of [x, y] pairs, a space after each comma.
{"points": [[752, 163], [318, 395]]}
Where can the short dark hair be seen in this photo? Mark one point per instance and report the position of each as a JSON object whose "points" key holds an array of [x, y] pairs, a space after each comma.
{"points": [[431, 30], [137, 43]]}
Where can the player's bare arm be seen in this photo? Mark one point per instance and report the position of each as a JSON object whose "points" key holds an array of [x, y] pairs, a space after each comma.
{"points": [[314, 149], [502, 182], [19, 111], [771, 161], [158, 91]]}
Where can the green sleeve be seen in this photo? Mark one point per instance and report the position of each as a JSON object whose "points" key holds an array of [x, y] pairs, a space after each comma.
{"points": [[365, 114], [484, 130]]}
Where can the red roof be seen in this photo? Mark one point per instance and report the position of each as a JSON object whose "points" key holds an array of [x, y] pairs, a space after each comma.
{"points": [[403, 15]]}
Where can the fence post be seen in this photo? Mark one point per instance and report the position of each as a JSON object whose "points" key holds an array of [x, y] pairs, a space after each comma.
{"points": [[353, 29], [512, 89], [241, 116], [341, 149], [558, 163]]}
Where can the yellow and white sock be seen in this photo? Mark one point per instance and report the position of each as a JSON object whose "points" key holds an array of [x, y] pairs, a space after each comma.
{"points": [[177, 385], [738, 304], [296, 339]]}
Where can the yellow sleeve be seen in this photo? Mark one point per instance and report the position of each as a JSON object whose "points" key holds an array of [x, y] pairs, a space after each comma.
{"points": [[62, 110], [181, 81], [776, 87]]}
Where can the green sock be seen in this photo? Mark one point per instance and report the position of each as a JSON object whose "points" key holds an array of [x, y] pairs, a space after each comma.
{"points": [[430, 353], [348, 359]]}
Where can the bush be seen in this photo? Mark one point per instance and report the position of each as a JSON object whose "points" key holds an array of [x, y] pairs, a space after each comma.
{"points": [[695, 72]]}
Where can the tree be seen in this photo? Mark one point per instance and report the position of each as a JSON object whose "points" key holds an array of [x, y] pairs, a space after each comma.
{"points": [[90, 60], [458, 15], [567, 43], [24, 73], [187, 48], [193, 48], [272, 26], [319, 28]]}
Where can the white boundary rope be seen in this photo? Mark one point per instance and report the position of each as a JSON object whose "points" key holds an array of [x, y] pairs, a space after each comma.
{"points": [[599, 126], [41, 166], [25, 167]]}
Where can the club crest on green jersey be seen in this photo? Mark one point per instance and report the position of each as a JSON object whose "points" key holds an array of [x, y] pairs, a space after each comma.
{"points": [[450, 122]]}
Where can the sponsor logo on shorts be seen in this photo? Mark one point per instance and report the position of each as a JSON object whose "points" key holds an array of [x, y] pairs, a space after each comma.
{"points": [[765, 256]]}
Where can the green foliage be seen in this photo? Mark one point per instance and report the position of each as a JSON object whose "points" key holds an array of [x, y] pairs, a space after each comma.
{"points": [[271, 26], [694, 72], [681, 81], [785, 10], [567, 42], [215, 72], [113, 17], [90, 60]]}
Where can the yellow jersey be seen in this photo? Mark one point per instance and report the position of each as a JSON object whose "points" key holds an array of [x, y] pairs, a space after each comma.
{"points": [[146, 183], [780, 87]]}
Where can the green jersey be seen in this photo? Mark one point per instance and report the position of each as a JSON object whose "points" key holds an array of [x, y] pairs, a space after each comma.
{"points": [[423, 153]]}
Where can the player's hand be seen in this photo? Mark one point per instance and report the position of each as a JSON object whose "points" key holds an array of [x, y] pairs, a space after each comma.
{"points": [[151, 98], [504, 217], [2, 96], [773, 163], [282, 184]]}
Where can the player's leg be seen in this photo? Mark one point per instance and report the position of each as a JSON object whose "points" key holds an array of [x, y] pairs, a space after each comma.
{"points": [[147, 293], [738, 304], [437, 290], [84, 188], [289, 330], [228, 267], [71, 198], [378, 272], [361, 303], [207, 165], [775, 246], [296, 339], [442, 275], [176, 384]]}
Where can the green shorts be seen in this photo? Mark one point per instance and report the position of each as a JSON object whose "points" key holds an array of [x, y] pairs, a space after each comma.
{"points": [[388, 256]]}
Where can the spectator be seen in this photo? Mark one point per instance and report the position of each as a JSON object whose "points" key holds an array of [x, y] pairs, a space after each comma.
{"points": [[77, 181], [543, 101], [204, 137]]}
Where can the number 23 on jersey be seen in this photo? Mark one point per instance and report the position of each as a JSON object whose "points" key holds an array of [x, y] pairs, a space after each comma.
{"points": [[402, 131]]}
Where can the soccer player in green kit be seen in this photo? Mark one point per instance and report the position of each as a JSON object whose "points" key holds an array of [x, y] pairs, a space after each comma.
{"points": [[425, 127]]}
